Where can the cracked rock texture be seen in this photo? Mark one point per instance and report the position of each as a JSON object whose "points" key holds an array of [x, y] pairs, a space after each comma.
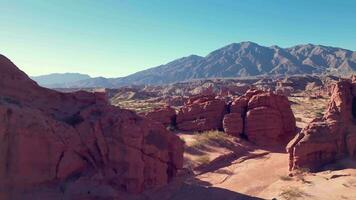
{"points": [[166, 115], [76, 143], [331, 137], [201, 113], [265, 118]]}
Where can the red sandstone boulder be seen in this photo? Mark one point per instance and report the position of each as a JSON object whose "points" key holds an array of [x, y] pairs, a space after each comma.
{"points": [[265, 118], [269, 119], [201, 114], [233, 124], [165, 115], [239, 105], [328, 138], [65, 143]]}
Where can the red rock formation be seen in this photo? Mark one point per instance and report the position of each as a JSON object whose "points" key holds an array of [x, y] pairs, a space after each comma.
{"points": [[328, 138], [263, 117], [67, 142], [165, 115], [201, 113], [233, 124]]}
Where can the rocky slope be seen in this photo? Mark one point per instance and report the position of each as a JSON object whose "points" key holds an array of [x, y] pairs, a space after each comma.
{"points": [[243, 59], [75, 145]]}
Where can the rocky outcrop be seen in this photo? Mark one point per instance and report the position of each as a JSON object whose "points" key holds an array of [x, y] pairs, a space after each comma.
{"points": [[233, 124], [264, 118], [331, 137], [165, 115], [201, 113], [67, 142]]}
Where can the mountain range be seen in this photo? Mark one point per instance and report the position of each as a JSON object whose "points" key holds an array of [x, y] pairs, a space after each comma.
{"points": [[59, 79], [245, 59]]}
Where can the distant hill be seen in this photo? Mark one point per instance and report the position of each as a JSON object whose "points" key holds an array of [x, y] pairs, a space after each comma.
{"points": [[59, 80], [245, 59]]}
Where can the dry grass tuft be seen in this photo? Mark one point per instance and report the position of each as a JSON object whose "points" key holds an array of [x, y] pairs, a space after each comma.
{"points": [[205, 159], [216, 138], [291, 193]]}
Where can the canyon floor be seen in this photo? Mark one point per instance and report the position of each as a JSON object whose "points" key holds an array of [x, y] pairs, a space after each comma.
{"points": [[218, 166]]}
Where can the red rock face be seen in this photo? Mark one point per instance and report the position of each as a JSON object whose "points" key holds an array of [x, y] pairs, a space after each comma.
{"points": [[328, 138], [233, 124], [70, 142], [263, 117], [201, 114], [166, 115]]}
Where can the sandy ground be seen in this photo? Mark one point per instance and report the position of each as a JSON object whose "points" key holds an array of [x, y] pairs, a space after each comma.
{"points": [[243, 171]]}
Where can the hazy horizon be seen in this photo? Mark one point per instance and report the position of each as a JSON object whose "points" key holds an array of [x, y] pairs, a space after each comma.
{"points": [[118, 38]]}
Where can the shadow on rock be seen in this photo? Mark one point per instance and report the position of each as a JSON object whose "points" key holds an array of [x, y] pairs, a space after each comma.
{"points": [[194, 189]]}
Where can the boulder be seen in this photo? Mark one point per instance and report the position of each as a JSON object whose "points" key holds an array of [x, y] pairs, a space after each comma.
{"points": [[165, 115], [264, 118], [64, 143], [201, 114], [328, 138], [233, 124]]}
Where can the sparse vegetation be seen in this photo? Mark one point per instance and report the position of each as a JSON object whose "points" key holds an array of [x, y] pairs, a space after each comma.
{"points": [[204, 159], [319, 112], [291, 193], [212, 138], [136, 105], [305, 109], [300, 173]]}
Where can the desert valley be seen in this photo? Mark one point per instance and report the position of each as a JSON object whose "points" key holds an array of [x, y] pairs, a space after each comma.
{"points": [[281, 136], [177, 100]]}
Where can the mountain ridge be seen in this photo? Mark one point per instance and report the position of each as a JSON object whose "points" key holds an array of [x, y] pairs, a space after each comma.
{"points": [[58, 79], [236, 60]]}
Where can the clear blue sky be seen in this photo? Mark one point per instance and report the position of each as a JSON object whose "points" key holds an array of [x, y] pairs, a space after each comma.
{"points": [[116, 38]]}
